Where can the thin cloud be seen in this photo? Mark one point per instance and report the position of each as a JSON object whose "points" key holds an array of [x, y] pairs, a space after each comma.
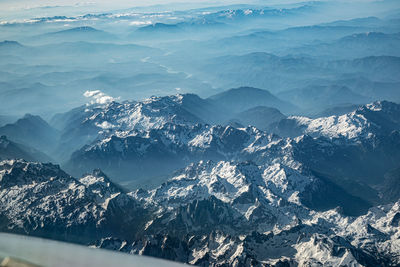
{"points": [[98, 97]]}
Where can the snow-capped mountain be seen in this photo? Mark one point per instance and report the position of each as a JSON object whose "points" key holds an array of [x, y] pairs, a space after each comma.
{"points": [[85, 124], [172, 146], [360, 146], [377, 118], [151, 113], [128, 149], [41, 199], [210, 133], [212, 213], [105, 116], [176, 129], [241, 196]]}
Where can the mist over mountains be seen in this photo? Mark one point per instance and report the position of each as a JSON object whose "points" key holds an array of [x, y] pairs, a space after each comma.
{"points": [[214, 135]]}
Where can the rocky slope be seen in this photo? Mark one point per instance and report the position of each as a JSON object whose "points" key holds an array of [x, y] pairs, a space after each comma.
{"points": [[32, 131], [41, 199], [377, 118], [12, 150], [211, 214], [241, 196], [353, 150], [85, 124]]}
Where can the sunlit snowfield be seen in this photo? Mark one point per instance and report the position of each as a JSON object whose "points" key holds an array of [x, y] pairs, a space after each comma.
{"points": [[221, 133]]}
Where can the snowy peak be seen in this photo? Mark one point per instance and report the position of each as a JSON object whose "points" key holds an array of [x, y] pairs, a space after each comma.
{"points": [[20, 173], [378, 118], [101, 119], [145, 115], [249, 188], [383, 114], [49, 200], [176, 144], [223, 180], [98, 182], [156, 111]]}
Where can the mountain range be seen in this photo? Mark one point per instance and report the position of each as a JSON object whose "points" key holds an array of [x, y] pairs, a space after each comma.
{"points": [[210, 134], [230, 196]]}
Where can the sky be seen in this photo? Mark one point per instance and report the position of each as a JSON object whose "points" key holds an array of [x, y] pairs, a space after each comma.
{"points": [[16, 10], [105, 4], [27, 9], [18, 5]]}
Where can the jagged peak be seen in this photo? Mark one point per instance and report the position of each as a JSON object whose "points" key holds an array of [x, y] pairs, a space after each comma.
{"points": [[20, 172], [100, 182], [97, 176], [27, 165], [381, 105], [353, 125]]}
